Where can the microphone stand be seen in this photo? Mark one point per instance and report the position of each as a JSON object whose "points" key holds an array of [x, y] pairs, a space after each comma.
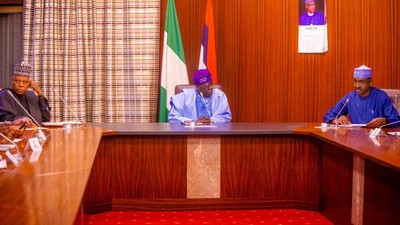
{"points": [[379, 132], [40, 128], [337, 116], [69, 108]]}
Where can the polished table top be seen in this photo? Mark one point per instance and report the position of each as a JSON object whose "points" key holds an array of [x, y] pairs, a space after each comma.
{"points": [[384, 150], [213, 129], [48, 188]]}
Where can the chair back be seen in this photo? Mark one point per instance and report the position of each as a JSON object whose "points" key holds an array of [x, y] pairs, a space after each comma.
{"points": [[180, 87], [394, 95]]}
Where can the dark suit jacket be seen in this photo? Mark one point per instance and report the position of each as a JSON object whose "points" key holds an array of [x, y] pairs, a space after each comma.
{"points": [[11, 110]]}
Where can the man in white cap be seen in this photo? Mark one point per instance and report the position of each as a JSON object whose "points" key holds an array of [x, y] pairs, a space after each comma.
{"points": [[365, 105], [33, 101], [311, 16], [203, 104]]}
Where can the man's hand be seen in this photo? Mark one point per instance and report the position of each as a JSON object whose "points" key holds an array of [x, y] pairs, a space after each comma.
{"points": [[14, 132], [204, 119], [377, 122], [19, 121], [36, 87], [341, 120]]}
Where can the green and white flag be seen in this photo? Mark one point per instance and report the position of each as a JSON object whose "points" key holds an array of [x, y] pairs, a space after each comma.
{"points": [[173, 70]]}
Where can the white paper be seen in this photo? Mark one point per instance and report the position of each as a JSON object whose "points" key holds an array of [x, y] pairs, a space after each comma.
{"points": [[6, 147], [313, 39], [60, 124]]}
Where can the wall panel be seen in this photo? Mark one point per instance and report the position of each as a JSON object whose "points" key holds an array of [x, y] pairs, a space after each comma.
{"points": [[260, 70], [264, 77]]}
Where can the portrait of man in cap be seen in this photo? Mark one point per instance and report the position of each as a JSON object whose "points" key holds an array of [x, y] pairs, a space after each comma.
{"points": [[204, 104], [311, 16], [23, 97], [365, 105]]}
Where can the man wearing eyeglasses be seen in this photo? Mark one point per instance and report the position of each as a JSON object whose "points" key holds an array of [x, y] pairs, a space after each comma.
{"points": [[365, 105], [33, 101], [201, 105]]}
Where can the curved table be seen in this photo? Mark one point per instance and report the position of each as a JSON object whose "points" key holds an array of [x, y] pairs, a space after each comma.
{"points": [[344, 174]]}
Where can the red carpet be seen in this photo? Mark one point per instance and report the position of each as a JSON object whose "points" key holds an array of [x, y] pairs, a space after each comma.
{"points": [[248, 217]]}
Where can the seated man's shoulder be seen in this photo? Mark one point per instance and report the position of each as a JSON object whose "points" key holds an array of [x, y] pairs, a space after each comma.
{"points": [[3, 91]]}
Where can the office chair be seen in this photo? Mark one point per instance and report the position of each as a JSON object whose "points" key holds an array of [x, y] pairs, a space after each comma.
{"points": [[394, 95]]}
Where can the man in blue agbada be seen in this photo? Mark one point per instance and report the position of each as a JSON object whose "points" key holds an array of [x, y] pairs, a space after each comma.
{"points": [[203, 104], [365, 105], [311, 16]]}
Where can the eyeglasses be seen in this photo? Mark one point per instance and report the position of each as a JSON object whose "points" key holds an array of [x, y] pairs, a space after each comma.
{"points": [[360, 82]]}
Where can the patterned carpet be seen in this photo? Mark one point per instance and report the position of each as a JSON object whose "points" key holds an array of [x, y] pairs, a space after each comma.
{"points": [[236, 217]]}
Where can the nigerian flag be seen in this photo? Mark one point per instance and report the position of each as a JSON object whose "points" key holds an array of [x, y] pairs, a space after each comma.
{"points": [[173, 71]]}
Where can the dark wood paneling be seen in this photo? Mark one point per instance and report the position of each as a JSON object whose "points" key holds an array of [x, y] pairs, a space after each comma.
{"points": [[381, 195], [260, 70], [209, 204], [11, 2], [153, 167], [270, 167], [336, 184], [136, 167], [98, 191], [260, 171]]}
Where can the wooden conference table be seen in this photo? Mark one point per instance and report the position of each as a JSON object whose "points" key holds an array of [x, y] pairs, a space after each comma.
{"points": [[342, 173]]}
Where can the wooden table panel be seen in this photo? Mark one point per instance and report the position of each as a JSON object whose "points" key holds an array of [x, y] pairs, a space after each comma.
{"points": [[336, 183], [142, 167], [284, 167], [382, 195]]}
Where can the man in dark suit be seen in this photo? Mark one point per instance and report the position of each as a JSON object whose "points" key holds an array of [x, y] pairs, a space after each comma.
{"points": [[33, 101]]}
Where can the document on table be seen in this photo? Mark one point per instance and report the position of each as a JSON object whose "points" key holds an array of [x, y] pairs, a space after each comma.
{"points": [[352, 125], [60, 124]]}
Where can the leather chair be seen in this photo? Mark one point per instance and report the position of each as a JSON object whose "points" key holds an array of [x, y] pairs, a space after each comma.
{"points": [[180, 87], [394, 95]]}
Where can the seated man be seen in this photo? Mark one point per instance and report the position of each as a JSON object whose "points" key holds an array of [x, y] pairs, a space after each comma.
{"points": [[33, 101], [203, 104], [365, 105]]}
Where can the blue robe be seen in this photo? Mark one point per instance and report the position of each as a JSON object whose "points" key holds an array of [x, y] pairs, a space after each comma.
{"points": [[188, 106], [362, 110], [38, 107], [316, 19]]}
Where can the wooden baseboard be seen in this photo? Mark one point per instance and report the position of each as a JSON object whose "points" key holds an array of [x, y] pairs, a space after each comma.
{"points": [[208, 204], [97, 208]]}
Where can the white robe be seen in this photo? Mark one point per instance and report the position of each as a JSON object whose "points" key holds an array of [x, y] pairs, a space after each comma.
{"points": [[183, 107]]}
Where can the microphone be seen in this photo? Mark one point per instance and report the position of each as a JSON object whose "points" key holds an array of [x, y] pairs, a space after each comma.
{"points": [[65, 103], [16, 100], [337, 116], [40, 128], [375, 132], [202, 99]]}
